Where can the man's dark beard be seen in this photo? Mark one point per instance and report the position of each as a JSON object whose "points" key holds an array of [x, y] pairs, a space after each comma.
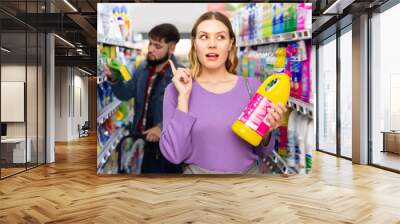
{"points": [[157, 61]]}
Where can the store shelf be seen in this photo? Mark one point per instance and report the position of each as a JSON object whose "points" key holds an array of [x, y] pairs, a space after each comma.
{"points": [[303, 107], [112, 171], [100, 78], [130, 117], [105, 40], [278, 38], [110, 145], [108, 111]]}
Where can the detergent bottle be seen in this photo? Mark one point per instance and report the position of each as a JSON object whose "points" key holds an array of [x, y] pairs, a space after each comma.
{"points": [[283, 138], [120, 70], [310, 146], [252, 124], [267, 20]]}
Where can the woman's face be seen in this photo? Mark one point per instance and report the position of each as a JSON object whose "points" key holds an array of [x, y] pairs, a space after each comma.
{"points": [[212, 44]]}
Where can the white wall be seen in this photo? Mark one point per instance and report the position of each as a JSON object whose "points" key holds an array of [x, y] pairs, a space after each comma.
{"points": [[69, 85], [79, 117], [61, 103]]}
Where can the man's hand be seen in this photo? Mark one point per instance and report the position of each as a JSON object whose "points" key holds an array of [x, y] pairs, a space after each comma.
{"points": [[108, 73], [153, 134]]}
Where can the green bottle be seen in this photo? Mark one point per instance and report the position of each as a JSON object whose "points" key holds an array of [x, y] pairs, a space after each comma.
{"points": [[290, 17], [267, 20]]}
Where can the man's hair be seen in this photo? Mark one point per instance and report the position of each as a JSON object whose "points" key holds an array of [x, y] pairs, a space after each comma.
{"points": [[166, 32]]}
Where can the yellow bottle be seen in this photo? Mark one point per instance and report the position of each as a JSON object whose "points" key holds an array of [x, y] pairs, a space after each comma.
{"points": [[252, 124], [280, 57]]}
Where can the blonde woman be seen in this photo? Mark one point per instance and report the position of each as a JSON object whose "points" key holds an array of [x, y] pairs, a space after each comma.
{"points": [[202, 103]]}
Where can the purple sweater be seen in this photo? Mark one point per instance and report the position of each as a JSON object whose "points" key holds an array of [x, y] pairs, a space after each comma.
{"points": [[203, 136]]}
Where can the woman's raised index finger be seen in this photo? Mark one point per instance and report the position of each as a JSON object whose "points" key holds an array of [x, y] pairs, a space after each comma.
{"points": [[172, 66]]}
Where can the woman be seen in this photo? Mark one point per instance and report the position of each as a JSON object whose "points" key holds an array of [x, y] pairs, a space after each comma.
{"points": [[202, 103]]}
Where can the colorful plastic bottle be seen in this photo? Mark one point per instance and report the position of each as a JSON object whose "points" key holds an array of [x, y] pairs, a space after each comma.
{"points": [[308, 16], [310, 145], [301, 133], [280, 22], [290, 17], [283, 138], [275, 18], [245, 25], [301, 14], [306, 78], [252, 124], [259, 21], [280, 60], [292, 139], [245, 64], [120, 70], [252, 63], [251, 21], [267, 20]]}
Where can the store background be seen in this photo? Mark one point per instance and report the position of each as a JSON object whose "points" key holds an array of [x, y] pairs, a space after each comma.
{"points": [[266, 34]]}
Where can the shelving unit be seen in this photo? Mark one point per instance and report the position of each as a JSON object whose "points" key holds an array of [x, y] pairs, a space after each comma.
{"points": [[108, 111], [302, 107], [105, 40], [109, 147], [278, 38]]}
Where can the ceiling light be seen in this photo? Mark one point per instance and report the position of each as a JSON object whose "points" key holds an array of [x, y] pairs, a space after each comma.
{"points": [[65, 41], [70, 5], [338, 6], [5, 50], [86, 72]]}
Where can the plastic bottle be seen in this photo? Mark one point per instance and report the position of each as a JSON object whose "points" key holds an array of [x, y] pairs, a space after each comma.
{"points": [[295, 69], [245, 64], [301, 14], [310, 146], [120, 70], [252, 21], [267, 20], [252, 124], [259, 21], [292, 139], [308, 16], [274, 18], [252, 63], [290, 16], [280, 23], [291, 23], [245, 25], [306, 77], [301, 133], [280, 59], [283, 138], [271, 58]]}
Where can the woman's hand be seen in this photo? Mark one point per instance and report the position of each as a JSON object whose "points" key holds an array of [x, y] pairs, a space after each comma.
{"points": [[182, 81], [275, 117]]}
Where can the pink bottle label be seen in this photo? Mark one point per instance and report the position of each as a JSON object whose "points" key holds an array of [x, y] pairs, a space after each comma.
{"points": [[255, 114]]}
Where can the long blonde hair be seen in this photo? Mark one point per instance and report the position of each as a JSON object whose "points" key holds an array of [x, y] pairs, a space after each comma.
{"points": [[232, 60]]}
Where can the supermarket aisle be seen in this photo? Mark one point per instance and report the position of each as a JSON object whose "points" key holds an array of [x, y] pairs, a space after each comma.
{"points": [[71, 191]]}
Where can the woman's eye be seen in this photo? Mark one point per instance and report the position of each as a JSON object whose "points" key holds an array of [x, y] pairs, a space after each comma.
{"points": [[221, 37], [203, 37]]}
